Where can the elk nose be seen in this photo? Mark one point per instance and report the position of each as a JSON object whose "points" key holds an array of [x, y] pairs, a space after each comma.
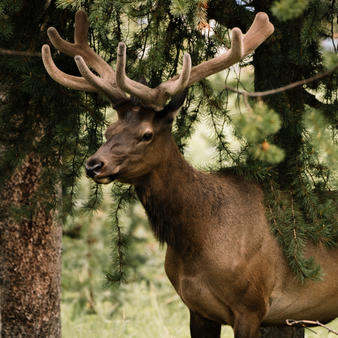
{"points": [[93, 167]]}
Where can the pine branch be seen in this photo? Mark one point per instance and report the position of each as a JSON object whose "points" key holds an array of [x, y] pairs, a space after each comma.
{"points": [[284, 88], [303, 322], [19, 52], [123, 195]]}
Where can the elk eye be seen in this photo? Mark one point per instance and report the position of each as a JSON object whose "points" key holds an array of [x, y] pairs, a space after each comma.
{"points": [[147, 136]]}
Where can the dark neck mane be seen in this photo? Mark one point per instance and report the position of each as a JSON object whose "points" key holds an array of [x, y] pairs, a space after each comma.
{"points": [[168, 195]]}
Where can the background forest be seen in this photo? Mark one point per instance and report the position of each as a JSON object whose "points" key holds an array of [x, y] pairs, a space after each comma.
{"points": [[113, 282]]}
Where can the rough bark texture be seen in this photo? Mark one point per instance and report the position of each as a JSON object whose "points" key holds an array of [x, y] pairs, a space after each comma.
{"points": [[30, 252]]}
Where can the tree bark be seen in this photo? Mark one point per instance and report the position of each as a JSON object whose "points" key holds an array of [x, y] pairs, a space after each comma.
{"points": [[30, 248]]}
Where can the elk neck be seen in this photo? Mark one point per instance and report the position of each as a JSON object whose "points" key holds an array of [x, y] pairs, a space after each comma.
{"points": [[172, 195]]}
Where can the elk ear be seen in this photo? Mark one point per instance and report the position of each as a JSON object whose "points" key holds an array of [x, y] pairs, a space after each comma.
{"points": [[171, 109]]}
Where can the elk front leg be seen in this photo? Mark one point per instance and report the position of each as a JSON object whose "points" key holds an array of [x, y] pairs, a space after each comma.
{"points": [[201, 327], [247, 326]]}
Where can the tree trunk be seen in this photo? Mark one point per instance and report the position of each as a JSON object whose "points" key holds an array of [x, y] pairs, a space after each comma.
{"points": [[281, 332], [30, 248]]}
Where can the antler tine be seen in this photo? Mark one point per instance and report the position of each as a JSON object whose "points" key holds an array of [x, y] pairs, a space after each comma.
{"points": [[81, 29], [147, 95], [69, 81], [84, 56], [101, 84], [213, 66], [80, 45], [258, 32], [155, 98], [241, 46], [174, 87]]}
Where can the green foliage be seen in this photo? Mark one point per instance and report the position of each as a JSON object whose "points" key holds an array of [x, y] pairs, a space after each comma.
{"points": [[39, 116], [322, 138], [292, 229], [289, 9], [74, 4], [256, 125], [267, 152], [7, 8], [180, 7], [122, 195], [330, 60]]}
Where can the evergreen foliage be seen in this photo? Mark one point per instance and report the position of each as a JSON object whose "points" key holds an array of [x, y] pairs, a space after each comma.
{"points": [[286, 9], [288, 141], [256, 125], [36, 114]]}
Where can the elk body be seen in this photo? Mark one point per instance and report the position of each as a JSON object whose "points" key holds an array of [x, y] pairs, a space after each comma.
{"points": [[221, 257]]}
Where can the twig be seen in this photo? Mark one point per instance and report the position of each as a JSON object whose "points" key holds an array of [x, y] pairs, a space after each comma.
{"points": [[284, 88], [18, 52], [292, 322]]}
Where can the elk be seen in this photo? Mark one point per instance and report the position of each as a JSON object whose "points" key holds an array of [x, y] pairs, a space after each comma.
{"points": [[221, 256]]}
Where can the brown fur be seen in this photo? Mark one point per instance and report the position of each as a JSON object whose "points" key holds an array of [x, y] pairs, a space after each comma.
{"points": [[221, 257]]}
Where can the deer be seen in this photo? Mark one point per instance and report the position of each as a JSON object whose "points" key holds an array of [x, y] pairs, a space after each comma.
{"points": [[221, 256]]}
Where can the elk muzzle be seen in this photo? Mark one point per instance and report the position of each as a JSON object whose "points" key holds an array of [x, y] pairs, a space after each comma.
{"points": [[99, 171], [93, 167]]}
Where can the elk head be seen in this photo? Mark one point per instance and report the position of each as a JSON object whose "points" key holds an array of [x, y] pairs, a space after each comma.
{"points": [[136, 143]]}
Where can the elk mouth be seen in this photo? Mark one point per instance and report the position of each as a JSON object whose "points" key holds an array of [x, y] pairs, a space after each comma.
{"points": [[105, 179]]}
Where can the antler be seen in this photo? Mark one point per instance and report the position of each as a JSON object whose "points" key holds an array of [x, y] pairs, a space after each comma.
{"points": [[151, 97], [114, 84], [83, 56], [241, 46]]}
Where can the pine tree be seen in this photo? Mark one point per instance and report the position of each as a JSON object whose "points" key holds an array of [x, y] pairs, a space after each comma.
{"points": [[41, 151]]}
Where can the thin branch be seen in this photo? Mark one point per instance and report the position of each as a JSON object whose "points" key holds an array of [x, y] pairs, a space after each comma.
{"points": [[284, 88], [18, 52], [292, 322]]}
